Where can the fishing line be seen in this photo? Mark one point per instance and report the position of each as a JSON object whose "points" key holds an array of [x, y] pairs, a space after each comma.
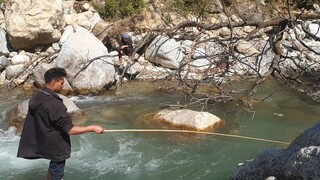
{"points": [[196, 132]]}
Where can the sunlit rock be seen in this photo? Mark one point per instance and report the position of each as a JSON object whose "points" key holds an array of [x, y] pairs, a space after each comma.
{"points": [[165, 52], [86, 6], [299, 161], [68, 7], [18, 114], [21, 58], [100, 30], [13, 53], [14, 71], [3, 63], [2, 19], [38, 75], [148, 20], [32, 23], [66, 34], [249, 12], [224, 32], [89, 66], [313, 28], [3, 42], [56, 47], [86, 19], [3, 78], [188, 118], [246, 48]]}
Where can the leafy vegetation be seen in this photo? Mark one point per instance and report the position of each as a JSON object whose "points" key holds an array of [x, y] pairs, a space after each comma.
{"points": [[115, 9], [184, 7]]}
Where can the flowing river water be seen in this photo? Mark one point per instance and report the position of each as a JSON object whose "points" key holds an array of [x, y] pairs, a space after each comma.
{"points": [[145, 155]]}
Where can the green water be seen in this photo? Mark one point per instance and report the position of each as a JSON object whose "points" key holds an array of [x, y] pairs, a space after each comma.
{"points": [[126, 155]]}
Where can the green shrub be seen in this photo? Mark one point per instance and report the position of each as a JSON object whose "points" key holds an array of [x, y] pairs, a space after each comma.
{"points": [[185, 7], [114, 9]]}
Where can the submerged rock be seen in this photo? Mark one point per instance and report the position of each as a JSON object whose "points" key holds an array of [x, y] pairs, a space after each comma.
{"points": [[188, 118], [18, 114], [301, 160]]}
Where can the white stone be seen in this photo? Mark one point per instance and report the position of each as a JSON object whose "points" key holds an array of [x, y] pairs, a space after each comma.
{"points": [[3, 61], [224, 32], [56, 46], [3, 42], [166, 52], [68, 7], [234, 18], [14, 71], [313, 29], [246, 48], [13, 53], [66, 33], [86, 19], [190, 118], [76, 52], [20, 59], [271, 178], [86, 6], [316, 7], [2, 78], [71, 107], [33, 22]]}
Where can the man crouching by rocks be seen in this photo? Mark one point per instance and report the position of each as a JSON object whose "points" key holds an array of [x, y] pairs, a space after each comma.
{"points": [[47, 128]]}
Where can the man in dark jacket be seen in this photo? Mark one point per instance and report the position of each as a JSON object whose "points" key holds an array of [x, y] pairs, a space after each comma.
{"points": [[47, 126]]}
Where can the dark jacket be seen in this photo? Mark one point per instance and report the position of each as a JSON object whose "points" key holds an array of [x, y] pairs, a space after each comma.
{"points": [[45, 130], [127, 50]]}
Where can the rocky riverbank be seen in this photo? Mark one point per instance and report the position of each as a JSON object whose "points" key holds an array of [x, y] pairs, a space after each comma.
{"points": [[60, 35], [37, 35]]}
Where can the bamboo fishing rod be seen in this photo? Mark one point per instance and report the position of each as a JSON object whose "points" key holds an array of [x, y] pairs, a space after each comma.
{"points": [[196, 132]]}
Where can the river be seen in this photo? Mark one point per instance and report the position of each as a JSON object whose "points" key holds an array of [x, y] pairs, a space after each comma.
{"points": [[145, 155]]}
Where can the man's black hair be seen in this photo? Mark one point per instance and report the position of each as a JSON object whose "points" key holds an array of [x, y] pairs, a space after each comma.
{"points": [[54, 74]]}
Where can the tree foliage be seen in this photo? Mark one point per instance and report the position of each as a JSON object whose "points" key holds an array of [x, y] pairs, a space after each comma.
{"points": [[114, 9]]}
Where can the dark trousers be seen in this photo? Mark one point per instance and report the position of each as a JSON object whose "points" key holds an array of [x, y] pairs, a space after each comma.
{"points": [[57, 170]]}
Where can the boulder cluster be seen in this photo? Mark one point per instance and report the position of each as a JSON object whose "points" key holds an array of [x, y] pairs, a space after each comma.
{"points": [[36, 35]]}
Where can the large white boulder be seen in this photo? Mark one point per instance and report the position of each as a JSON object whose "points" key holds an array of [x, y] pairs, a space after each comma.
{"points": [[89, 66], [165, 52], [31, 23], [188, 118]]}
